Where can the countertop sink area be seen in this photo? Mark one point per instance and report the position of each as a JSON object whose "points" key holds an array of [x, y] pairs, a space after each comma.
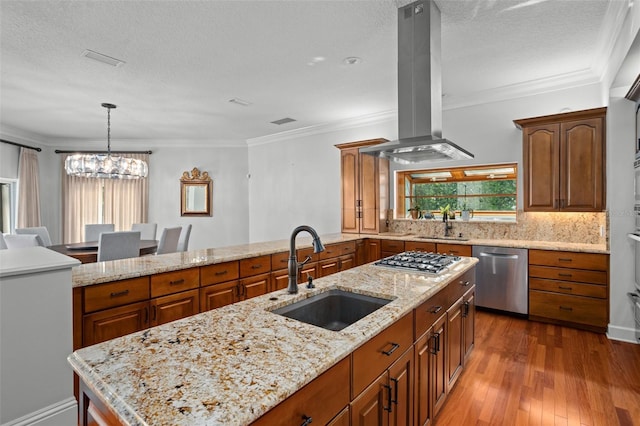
{"points": [[427, 237], [332, 310]]}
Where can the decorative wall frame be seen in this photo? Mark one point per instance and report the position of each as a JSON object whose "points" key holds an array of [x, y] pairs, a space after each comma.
{"points": [[196, 193]]}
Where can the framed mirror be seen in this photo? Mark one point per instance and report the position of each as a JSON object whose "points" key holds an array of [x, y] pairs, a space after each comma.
{"points": [[195, 193]]}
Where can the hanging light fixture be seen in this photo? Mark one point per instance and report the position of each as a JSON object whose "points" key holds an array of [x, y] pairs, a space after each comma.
{"points": [[106, 166]]}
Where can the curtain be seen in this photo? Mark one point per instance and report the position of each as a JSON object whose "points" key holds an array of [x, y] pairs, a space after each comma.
{"points": [[89, 200], [28, 189]]}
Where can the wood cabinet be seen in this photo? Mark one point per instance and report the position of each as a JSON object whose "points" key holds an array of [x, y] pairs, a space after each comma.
{"points": [[469, 321], [317, 402], [455, 342], [114, 322], [454, 249], [373, 249], [439, 376], [564, 161], [174, 295], [569, 288], [364, 189], [425, 246], [391, 247]]}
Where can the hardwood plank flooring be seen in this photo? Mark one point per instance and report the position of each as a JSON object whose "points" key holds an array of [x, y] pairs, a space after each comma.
{"points": [[529, 373]]}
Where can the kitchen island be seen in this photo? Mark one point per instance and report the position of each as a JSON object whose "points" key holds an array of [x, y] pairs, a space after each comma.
{"points": [[233, 364]]}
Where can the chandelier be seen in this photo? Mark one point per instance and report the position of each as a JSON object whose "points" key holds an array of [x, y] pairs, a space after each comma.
{"points": [[106, 166]]}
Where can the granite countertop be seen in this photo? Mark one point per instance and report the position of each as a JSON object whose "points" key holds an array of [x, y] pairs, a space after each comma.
{"points": [[231, 365], [100, 272]]}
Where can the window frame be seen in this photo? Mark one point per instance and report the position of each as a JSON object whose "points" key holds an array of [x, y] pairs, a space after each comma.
{"points": [[404, 177]]}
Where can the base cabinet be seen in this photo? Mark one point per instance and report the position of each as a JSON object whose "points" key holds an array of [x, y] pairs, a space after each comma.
{"points": [[174, 307], [455, 342], [115, 322]]}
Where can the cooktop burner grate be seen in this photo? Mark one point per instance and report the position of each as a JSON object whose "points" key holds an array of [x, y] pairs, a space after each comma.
{"points": [[418, 261]]}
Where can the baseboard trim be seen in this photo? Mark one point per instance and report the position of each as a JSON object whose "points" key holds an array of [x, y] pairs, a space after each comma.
{"points": [[624, 334], [64, 412]]}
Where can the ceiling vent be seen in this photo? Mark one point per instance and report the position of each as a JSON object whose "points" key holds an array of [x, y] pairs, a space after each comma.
{"points": [[239, 101], [283, 121], [102, 58]]}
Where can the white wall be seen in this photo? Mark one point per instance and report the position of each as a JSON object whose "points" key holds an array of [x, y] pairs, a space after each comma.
{"points": [[295, 179], [228, 169]]}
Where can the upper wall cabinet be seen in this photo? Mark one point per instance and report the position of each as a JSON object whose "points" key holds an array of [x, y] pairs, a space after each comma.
{"points": [[563, 158], [365, 188]]}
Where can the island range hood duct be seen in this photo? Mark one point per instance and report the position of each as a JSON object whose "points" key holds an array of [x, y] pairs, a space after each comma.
{"points": [[419, 91]]}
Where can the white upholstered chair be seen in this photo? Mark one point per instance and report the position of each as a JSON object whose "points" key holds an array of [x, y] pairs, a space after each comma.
{"points": [[40, 231], [183, 242], [147, 230], [92, 231], [169, 240], [118, 245], [15, 241]]}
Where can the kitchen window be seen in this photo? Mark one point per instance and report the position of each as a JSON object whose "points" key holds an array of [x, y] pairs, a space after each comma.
{"points": [[489, 191]]}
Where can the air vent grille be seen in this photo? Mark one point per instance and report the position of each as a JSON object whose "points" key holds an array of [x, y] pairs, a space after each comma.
{"points": [[283, 121], [102, 58]]}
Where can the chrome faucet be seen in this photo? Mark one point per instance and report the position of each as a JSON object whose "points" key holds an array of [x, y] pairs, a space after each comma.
{"points": [[447, 225], [293, 260]]}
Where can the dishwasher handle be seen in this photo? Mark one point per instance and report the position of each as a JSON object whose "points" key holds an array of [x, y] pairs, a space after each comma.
{"points": [[500, 255]]}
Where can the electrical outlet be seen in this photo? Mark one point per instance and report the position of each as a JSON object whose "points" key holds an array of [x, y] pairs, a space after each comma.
{"points": [[602, 230]]}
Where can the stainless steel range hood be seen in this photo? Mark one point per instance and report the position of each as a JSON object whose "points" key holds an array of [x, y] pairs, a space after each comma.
{"points": [[419, 91]]}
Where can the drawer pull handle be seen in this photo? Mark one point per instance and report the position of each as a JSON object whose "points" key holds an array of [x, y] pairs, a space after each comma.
{"points": [[395, 391], [432, 347], [388, 398], [565, 308], [217, 274], [306, 420], [176, 282], [120, 293], [565, 275], [465, 283], [465, 310], [564, 259], [154, 316], [564, 288], [435, 309], [394, 346], [258, 266]]}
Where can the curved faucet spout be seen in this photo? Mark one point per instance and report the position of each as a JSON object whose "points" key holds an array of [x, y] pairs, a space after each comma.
{"points": [[293, 261]]}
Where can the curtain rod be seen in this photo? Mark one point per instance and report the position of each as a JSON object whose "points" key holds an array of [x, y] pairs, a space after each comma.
{"points": [[21, 145], [59, 151]]}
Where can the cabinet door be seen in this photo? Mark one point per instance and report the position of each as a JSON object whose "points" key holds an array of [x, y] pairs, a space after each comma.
{"points": [[371, 407], [469, 320], [374, 251], [342, 419], [350, 189], [254, 286], [173, 307], [310, 269], [346, 262], [454, 249], [401, 381], [369, 194], [279, 280], [438, 365], [582, 165], [541, 152], [217, 295], [423, 349], [455, 342], [115, 322]]}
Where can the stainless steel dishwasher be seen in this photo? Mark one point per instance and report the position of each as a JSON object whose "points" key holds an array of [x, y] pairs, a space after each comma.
{"points": [[502, 279]]}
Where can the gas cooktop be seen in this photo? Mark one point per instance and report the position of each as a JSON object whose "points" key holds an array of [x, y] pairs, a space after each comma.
{"points": [[418, 261]]}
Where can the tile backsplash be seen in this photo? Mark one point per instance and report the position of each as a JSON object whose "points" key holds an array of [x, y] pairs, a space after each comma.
{"points": [[589, 228]]}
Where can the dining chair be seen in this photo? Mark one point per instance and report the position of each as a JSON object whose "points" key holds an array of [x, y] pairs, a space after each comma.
{"points": [[169, 240], [92, 231], [183, 242], [147, 230], [3, 245], [118, 245], [15, 241], [40, 231]]}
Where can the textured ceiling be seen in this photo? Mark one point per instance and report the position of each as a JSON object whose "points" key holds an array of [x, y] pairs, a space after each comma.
{"points": [[184, 61]]}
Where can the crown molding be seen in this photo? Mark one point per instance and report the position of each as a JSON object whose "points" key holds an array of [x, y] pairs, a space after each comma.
{"points": [[346, 124], [119, 144]]}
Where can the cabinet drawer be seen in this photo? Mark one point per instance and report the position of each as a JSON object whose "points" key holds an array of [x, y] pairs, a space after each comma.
{"points": [[118, 293], [566, 274], [335, 250], [375, 356], [454, 249], [320, 400], [419, 246], [577, 309], [568, 259], [428, 312], [392, 246], [578, 289], [280, 261], [301, 254], [219, 273], [255, 265], [173, 282]]}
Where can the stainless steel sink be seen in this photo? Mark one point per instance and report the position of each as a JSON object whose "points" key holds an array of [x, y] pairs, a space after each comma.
{"points": [[426, 237], [333, 310]]}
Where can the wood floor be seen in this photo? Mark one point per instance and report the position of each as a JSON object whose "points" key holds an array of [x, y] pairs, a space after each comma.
{"points": [[528, 373]]}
